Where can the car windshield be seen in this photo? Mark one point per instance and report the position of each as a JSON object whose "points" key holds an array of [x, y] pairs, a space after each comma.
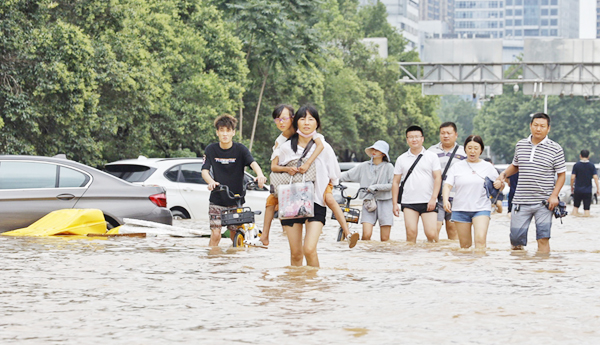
{"points": [[130, 172]]}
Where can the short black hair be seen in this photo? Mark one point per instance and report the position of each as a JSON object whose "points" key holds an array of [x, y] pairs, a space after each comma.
{"points": [[475, 138], [279, 109], [540, 116], [414, 128], [225, 120], [303, 112], [449, 124], [585, 153]]}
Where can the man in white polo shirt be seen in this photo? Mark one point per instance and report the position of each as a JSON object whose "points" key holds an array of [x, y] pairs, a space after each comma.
{"points": [[420, 186], [445, 150], [537, 160]]}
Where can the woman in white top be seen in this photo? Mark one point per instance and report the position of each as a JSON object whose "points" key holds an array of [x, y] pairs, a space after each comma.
{"points": [[306, 121], [471, 206]]}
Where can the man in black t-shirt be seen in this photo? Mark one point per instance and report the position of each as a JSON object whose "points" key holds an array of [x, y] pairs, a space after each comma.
{"points": [[581, 183], [227, 160]]}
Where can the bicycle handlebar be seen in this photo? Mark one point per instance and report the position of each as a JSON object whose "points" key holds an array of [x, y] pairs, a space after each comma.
{"points": [[230, 195], [342, 188]]}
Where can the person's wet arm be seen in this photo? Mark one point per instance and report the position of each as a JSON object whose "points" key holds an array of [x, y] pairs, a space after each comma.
{"points": [[209, 180], [395, 191], [260, 177], [560, 182], [511, 170]]}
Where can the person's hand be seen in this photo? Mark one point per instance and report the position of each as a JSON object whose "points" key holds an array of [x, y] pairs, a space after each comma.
{"points": [[213, 185], [371, 189], [431, 204], [447, 206], [303, 168], [552, 202], [598, 192], [292, 170], [499, 183], [261, 181], [396, 210]]}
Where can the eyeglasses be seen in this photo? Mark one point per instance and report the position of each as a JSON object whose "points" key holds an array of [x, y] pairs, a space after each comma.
{"points": [[281, 119], [414, 138]]}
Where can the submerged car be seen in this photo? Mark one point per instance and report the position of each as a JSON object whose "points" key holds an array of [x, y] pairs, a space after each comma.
{"points": [[33, 186], [187, 192]]}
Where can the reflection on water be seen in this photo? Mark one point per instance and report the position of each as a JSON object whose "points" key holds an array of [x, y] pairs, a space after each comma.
{"points": [[170, 290]]}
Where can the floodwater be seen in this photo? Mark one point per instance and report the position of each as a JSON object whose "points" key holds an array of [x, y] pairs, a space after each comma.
{"points": [[176, 290]]}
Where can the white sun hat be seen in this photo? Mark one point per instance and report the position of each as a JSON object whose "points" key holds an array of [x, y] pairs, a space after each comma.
{"points": [[381, 146]]}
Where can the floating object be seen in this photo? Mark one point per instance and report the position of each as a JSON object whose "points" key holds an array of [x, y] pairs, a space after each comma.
{"points": [[67, 222], [133, 226]]}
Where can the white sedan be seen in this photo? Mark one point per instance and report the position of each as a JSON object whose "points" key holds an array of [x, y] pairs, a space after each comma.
{"points": [[187, 192]]}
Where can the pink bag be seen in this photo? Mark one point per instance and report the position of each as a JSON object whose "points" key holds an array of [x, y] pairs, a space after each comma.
{"points": [[296, 200]]}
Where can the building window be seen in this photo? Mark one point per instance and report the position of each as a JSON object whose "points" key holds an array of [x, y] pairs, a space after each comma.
{"points": [[544, 21], [554, 12], [544, 2], [531, 2], [554, 22], [544, 12], [518, 2], [509, 22], [554, 2], [508, 12], [518, 13], [518, 33], [509, 2], [509, 33], [544, 32], [518, 22], [532, 32], [554, 32]]}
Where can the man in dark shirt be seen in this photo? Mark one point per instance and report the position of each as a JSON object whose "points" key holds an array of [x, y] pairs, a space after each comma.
{"points": [[227, 160], [581, 183]]}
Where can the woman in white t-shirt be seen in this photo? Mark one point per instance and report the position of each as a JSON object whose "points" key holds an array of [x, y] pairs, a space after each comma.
{"points": [[307, 121], [470, 206]]}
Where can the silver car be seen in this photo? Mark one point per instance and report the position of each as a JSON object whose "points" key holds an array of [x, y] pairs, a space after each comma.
{"points": [[33, 186]]}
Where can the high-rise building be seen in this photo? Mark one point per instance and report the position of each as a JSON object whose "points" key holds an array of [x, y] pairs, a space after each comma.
{"points": [[541, 18], [437, 10], [404, 15], [597, 18], [479, 18]]}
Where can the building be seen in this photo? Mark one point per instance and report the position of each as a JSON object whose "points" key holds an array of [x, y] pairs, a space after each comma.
{"points": [[597, 18], [541, 18], [479, 18], [404, 15], [438, 10]]}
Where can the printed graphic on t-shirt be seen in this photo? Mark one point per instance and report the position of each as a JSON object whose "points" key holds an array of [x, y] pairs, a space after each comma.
{"points": [[225, 160]]}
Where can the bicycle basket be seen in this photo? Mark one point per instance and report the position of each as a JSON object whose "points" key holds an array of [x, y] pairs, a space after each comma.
{"points": [[237, 216], [351, 214]]}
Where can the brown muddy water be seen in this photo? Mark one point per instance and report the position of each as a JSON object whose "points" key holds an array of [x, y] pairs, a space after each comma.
{"points": [[161, 290]]}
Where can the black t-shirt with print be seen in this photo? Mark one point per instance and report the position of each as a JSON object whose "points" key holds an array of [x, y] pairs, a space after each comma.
{"points": [[227, 169]]}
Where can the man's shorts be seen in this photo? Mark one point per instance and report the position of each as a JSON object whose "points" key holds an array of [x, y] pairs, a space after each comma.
{"points": [[384, 214], [320, 213], [214, 214], [421, 208], [442, 214], [520, 220], [585, 197], [467, 217]]}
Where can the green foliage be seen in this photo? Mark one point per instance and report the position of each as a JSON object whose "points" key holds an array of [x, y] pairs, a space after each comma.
{"points": [[461, 112]]}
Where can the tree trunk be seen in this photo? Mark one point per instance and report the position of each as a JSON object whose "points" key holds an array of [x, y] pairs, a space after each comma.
{"points": [[262, 90], [241, 116]]}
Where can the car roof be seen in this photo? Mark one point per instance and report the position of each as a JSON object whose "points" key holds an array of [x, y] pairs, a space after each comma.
{"points": [[141, 160]]}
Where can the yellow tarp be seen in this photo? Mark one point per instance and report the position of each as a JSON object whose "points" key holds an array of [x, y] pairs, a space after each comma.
{"points": [[65, 222]]}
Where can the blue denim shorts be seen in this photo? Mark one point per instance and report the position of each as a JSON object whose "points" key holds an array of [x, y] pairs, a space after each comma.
{"points": [[467, 217]]}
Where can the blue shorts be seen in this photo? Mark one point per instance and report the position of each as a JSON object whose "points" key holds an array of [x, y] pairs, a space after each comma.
{"points": [[519, 222], [467, 217]]}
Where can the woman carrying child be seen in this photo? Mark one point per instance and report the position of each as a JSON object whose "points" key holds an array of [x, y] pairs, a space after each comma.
{"points": [[377, 176], [306, 122]]}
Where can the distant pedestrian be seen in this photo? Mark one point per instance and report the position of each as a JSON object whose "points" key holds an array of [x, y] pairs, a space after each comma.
{"points": [[449, 153], [581, 183], [420, 186], [537, 160], [471, 207], [376, 175]]}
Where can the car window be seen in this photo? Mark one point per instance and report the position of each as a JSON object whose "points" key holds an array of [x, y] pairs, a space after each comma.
{"points": [[192, 173], [173, 173], [27, 175], [130, 172], [70, 178]]}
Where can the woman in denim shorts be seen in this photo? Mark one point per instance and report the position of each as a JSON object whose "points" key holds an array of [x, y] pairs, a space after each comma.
{"points": [[471, 207]]}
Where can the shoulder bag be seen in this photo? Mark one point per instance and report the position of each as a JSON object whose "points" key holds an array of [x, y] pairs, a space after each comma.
{"points": [[401, 191], [310, 175], [446, 171]]}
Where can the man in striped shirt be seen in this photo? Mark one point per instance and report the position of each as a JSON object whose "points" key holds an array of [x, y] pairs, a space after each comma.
{"points": [[537, 160]]}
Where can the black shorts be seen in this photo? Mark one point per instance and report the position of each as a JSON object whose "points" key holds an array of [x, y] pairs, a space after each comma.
{"points": [[421, 208], [585, 197], [320, 215]]}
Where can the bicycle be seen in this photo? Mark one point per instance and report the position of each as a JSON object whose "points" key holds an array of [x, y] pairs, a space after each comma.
{"points": [[351, 214], [247, 233]]}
